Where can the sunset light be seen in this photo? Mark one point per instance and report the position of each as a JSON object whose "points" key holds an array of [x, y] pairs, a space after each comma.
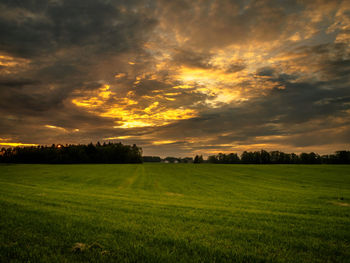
{"points": [[175, 131], [166, 71]]}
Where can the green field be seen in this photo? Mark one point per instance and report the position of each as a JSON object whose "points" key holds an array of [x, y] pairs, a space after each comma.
{"points": [[174, 213]]}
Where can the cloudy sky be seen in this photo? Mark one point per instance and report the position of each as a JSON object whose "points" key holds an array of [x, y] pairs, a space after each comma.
{"points": [[178, 77]]}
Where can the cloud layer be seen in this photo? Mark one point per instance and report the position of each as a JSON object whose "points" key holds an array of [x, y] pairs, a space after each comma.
{"points": [[177, 77]]}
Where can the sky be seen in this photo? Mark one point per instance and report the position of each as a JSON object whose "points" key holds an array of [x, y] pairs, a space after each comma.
{"points": [[177, 78]]}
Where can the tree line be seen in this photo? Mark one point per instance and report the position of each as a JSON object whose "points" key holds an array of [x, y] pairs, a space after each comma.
{"points": [[277, 157], [119, 153], [69, 154], [260, 157]]}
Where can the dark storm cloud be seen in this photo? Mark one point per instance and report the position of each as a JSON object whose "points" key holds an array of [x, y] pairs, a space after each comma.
{"points": [[220, 23], [17, 83], [236, 67], [42, 27], [192, 59], [64, 42], [337, 68], [266, 71]]}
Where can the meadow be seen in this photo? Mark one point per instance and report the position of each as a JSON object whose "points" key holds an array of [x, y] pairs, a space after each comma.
{"points": [[174, 213]]}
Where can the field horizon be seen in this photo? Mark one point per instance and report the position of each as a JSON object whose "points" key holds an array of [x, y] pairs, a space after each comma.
{"points": [[156, 212]]}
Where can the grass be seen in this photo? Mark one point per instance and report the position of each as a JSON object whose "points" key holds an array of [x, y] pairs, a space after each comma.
{"points": [[174, 213]]}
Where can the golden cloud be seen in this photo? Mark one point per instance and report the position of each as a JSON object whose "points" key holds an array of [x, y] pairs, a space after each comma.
{"points": [[128, 112]]}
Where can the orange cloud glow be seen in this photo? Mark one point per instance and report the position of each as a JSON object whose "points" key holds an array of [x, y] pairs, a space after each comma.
{"points": [[16, 144], [128, 113]]}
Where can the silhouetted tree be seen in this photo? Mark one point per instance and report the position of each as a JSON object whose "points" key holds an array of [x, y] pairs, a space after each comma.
{"points": [[106, 153], [198, 159], [278, 157], [264, 156], [247, 157], [223, 158]]}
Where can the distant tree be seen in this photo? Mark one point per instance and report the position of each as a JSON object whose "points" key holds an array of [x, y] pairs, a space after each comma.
{"points": [[342, 157], [264, 157], [211, 159], [294, 158], [247, 157], [310, 158], [278, 157], [223, 158], [232, 158], [106, 153], [198, 159]]}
